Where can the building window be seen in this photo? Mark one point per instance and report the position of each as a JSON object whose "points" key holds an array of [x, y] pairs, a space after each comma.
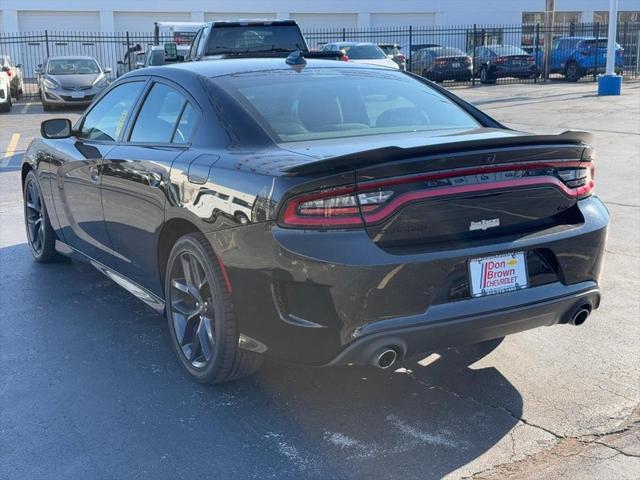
{"points": [[560, 18], [628, 16]]}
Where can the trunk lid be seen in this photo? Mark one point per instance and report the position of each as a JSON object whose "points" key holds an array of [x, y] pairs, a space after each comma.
{"points": [[461, 189]]}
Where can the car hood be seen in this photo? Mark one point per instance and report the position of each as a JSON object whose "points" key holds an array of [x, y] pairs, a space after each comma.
{"points": [[81, 80]]}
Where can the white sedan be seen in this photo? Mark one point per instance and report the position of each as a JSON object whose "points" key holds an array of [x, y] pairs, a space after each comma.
{"points": [[361, 52]]}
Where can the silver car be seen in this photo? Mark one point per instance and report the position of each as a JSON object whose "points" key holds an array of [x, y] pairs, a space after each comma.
{"points": [[70, 81]]}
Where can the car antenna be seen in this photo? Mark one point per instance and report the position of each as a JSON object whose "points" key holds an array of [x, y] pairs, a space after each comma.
{"points": [[296, 58]]}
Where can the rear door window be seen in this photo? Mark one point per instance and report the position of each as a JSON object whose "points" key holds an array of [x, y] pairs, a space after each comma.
{"points": [[165, 117]]}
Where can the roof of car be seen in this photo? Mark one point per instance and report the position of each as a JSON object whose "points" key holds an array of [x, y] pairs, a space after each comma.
{"points": [[71, 57], [230, 66], [582, 38], [351, 44], [250, 21]]}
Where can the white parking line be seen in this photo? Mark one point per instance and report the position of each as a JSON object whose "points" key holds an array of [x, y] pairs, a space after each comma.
{"points": [[26, 107], [8, 153]]}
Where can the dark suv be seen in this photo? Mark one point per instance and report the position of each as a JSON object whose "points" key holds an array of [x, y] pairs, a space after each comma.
{"points": [[246, 37]]}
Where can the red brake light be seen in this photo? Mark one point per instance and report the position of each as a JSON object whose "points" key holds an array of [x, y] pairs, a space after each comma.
{"points": [[401, 57], [351, 206], [9, 72], [501, 60], [344, 58], [439, 61]]}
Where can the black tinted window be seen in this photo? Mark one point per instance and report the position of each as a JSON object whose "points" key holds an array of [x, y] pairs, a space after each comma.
{"points": [[159, 115], [107, 118], [186, 125], [252, 38], [363, 52]]}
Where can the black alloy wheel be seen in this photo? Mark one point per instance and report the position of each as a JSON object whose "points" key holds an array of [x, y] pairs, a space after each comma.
{"points": [[192, 310], [201, 316], [40, 233]]}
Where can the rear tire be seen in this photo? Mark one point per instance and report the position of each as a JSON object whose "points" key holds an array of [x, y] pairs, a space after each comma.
{"points": [[40, 233], [201, 316], [486, 77], [572, 72], [6, 107]]}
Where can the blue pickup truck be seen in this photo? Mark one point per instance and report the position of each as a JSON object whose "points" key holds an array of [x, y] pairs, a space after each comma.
{"points": [[575, 57]]}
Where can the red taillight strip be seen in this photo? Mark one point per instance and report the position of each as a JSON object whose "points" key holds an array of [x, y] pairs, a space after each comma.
{"points": [[470, 171], [408, 197]]}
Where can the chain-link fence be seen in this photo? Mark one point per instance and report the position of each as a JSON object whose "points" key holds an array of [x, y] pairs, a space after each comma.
{"points": [[467, 54]]}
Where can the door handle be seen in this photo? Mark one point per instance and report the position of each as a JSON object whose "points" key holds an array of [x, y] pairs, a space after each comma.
{"points": [[94, 174]]}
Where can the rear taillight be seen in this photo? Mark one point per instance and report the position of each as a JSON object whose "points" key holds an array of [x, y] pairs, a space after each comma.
{"points": [[501, 60], [9, 73], [401, 57], [439, 61], [344, 58], [332, 208], [371, 202]]}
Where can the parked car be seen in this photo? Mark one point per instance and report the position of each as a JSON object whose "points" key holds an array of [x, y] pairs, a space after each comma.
{"points": [[134, 55], [157, 55], [388, 217], [575, 57], [443, 63], [70, 81], [499, 61], [14, 72], [215, 40], [361, 52], [394, 52], [5, 92]]}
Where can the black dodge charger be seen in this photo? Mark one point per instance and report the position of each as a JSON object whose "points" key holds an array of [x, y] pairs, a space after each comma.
{"points": [[317, 212]]}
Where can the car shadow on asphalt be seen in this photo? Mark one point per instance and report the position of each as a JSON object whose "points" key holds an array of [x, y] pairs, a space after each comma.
{"points": [[92, 389]]}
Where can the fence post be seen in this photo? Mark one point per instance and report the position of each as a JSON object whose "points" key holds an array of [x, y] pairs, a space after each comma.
{"points": [[473, 53], [46, 41], [128, 52], [409, 66], [537, 51], [595, 70], [344, 34], [624, 45]]}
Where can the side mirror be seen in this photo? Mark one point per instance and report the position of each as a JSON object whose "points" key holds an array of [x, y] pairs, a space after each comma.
{"points": [[19, 65], [107, 70], [139, 64], [39, 69], [56, 128]]}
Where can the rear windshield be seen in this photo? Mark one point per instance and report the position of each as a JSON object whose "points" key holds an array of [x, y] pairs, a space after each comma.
{"points": [[72, 67], [602, 43], [446, 51], [255, 38], [324, 103], [363, 52], [502, 50]]}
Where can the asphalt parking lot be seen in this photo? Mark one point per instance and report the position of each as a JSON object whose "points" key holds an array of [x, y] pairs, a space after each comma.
{"points": [[90, 387]]}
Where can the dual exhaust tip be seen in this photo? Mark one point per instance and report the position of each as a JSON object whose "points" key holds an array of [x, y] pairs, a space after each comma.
{"points": [[386, 357], [580, 315]]}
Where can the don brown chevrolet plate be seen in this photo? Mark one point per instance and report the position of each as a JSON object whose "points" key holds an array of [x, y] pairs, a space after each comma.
{"points": [[317, 212]]}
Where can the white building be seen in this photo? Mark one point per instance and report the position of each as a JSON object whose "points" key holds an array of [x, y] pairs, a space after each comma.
{"points": [[139, 15]]}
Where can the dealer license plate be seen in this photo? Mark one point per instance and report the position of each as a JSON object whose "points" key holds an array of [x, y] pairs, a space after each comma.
{"points": [[498, 274], [77, 94]]}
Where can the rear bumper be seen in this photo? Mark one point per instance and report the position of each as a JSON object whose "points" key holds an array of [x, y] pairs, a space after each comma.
{"points": [[329, 297], [458, 324]]}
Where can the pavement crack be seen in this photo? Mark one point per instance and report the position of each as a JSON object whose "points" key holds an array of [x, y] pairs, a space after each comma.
{"points": [[470, 398], [619, 204]]}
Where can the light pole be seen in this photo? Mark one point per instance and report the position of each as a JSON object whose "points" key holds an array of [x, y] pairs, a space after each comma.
{"points": [[548, 36], [610, 83]]}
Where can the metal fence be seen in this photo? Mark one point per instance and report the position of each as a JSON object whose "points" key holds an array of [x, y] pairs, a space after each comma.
{"points": [[110, 49]]}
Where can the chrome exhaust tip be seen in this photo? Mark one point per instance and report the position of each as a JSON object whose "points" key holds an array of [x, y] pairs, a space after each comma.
{"points": [[384, 358], [580, 315]]}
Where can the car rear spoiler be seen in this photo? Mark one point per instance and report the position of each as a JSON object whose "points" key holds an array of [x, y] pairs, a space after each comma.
{"points": [[387, 154]]}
